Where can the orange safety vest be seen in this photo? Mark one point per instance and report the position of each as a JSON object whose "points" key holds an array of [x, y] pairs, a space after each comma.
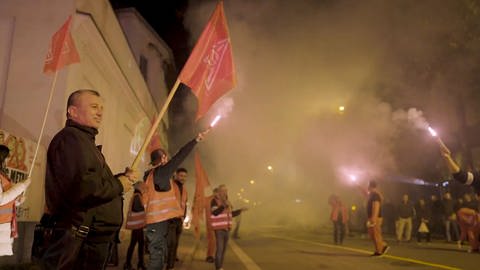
{"points": [[222, 221], [182, 199], [161, 206], [6, 210], [135, 220]]}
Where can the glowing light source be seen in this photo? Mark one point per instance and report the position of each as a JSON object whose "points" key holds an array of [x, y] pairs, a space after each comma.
{"points": [[354, 207], [432, 132], [215, 120], [341, 108], [353, 178], [270, 168], [252, 182]]}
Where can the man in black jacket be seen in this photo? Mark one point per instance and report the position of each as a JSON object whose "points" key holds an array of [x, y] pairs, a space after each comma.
{"points": [[83, 197]]}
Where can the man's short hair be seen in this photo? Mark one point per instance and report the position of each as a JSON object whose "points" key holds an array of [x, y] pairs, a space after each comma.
{"points": [[181, 169], [72, 99]]}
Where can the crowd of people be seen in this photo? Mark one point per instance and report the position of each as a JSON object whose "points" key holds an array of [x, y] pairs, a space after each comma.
{"points": [[84, 201], [440, 217], [84, 204]]}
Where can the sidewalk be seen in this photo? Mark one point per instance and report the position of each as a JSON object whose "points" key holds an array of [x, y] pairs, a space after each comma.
{"points": [[191, 253]]}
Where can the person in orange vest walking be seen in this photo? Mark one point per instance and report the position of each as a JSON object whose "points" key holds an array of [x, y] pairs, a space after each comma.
{"points": [[210, 232], [9, 197], [221, 222], [160, 200], [136, 223], [175, 225]]}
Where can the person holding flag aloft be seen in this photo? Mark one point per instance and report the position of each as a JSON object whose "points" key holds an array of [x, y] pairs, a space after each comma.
{"points": [[161, 201]]}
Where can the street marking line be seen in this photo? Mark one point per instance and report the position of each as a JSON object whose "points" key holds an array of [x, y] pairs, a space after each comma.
{"points": [[369, 252], [244, 258]]}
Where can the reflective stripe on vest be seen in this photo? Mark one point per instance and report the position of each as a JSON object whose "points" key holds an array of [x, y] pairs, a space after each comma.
{"points": [[160, 205], [6, 210], [221, 221], [135, 220]]}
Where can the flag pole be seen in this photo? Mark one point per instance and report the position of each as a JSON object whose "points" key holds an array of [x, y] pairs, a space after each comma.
{"points": [[155, 125], [52, 88]]}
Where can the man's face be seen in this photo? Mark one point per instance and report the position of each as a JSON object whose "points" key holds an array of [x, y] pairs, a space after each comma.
{"points": [[448, 196], [405, 198], [87, 110], [181, 177], [163, 159]]}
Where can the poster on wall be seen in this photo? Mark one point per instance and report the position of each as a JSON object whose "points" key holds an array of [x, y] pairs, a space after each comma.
{"points": [[18, 164]]}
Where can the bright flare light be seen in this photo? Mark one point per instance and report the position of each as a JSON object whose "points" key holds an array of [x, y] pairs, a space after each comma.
{"points": [[341, 108], [432, 132], [252, 182], [353, 178], [270, 168], [214, 122]]}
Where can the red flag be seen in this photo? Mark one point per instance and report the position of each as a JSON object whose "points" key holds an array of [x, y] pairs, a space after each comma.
{"points": [[62, 51], [199, 197], [209, 70]]}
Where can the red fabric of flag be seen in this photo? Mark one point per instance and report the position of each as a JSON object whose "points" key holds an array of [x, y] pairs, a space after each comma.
{"points": [[199, 197], [62, 51], [209, 71]]}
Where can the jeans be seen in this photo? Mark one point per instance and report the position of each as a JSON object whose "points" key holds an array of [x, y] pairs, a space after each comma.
{"points": [[157, 244], [221, 237]]}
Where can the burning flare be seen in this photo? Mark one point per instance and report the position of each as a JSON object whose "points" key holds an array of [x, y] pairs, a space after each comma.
{"points": [[215, 121], [432, 132]]}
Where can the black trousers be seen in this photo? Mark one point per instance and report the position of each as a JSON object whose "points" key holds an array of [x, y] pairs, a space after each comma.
{"points": [[136, 237], [338, 232], [175, 227], [66, 251]]}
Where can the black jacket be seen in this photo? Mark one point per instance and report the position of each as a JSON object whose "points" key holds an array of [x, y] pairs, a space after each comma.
{"points": [[79, 179], [162, 174]]}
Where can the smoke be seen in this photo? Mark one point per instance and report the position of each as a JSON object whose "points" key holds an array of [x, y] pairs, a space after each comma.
{"points": [[412, 116], [298, 61]]}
